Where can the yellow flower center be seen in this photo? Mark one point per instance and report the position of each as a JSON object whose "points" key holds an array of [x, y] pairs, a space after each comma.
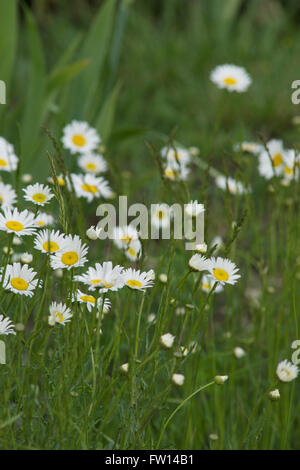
{"points": [[287, 372], [131, 252], [91, 166], [287, 170], [78, 140], [19, 283], [1, 200], [95, 281], [50, 246], [221, 274], [170, 174], [277, 160], [88, 298], [108, 286], [160, 215], [3, 162], [14, 225], [89, 188], [206, 286], [60, 317], [69, 258], [134, 283], [41, 223], [230, 81], [126, 239], [39, 197]]}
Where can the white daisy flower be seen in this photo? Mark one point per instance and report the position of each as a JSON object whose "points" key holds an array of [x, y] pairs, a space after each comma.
{"points": [[79, 137], [92, 163], [176, 172], [208, 282], [59, 313], [223, 270], [193, 208], [178, 379], [71, 255], [123, 236], [43, 219], [134, 250], [8, 195], [38, 194], [290, 169], [6, 326], [48, 241], [8, 159], [19, 223], [239, 352], [91, 187], [91, 302], [231, 77], [177, 155], [103, 276], [136, 280], [234, 186], [167, 340], [20, 279], [198, 263], [161, 215], [286, 371], [272, 162]]}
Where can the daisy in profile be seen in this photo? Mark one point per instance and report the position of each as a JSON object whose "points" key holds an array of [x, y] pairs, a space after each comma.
{"points": [[20, 279], [48, 241], [175, 155], [290, 169], [72, 254], [6, 326], [91, 187], [271, 162], [223, 270], [59, 313], [103, 276], [161, 215], [8, 159], [198, 263], [286, 371], [123, 236], [233, 186], [134, 250], [43, 219], [249, 147], [8, 195], [136, 280], [193, 208], [38, 194], [176, 172], [91, 302], [231, 77], [19, 223], [92, 163], [59, 178], [207, 283], [79, 137]]}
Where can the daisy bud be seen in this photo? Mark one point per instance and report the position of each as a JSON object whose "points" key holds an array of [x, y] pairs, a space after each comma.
{"points": [[151, 318], [167, 340], [17, 241], [93, 233], [102, 148], [26, 258], [178, 379], [213, 437], [239, 352], [5, 250], [19, 327], [220, 379], [180, 311], [26, 178], [182, 352], [58, 273], [274, 395], [201, 247], [194, 151], [163, 278], [124, 368], [189, 306]]}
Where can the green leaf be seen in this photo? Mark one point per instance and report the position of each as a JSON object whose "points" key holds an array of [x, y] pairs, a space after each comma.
{"points": [[63, 75], [106, 117], [8, 37], [36, 88]]}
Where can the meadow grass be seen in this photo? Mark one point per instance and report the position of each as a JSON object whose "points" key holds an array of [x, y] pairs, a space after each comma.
{"points": [[141, 78]]}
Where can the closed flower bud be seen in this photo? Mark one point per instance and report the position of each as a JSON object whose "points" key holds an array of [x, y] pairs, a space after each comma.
{"points": [[274, 395], [163, 278], [167, 340], [93, 233], [26, 258], [220, 379], [178, 379], [239, 352], [26, 178], [124, 368]]}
